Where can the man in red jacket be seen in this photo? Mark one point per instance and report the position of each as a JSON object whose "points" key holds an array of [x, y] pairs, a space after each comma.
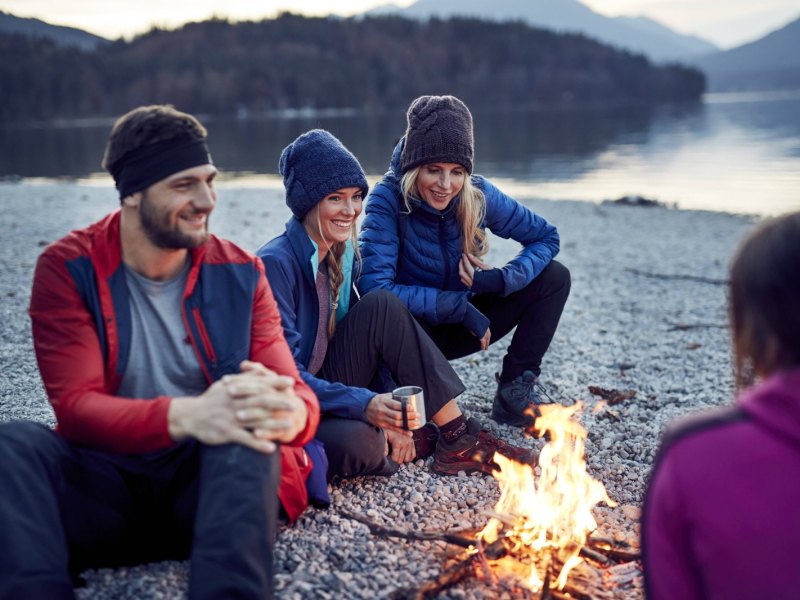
{"points": [[161, 350]]}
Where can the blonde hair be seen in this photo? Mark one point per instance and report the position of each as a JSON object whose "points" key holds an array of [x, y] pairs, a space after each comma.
{"points": [[334, 262], [470, 212]]}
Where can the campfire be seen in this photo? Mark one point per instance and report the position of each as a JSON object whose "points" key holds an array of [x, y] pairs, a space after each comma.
{"points": [[545, 520], [541, 527]]}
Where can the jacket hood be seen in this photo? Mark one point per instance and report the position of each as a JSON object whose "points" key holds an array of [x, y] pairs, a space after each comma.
{"points": [[395, 171], [775, 404]]}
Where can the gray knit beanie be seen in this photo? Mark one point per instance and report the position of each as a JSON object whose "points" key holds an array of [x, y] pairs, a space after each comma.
{"points": [[439, 130], [317, 164]]}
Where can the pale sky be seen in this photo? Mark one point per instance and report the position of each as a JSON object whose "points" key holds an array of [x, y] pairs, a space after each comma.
{"points": [[725, 22]]}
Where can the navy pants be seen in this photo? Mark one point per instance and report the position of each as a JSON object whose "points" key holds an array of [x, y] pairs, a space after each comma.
{"points": [[377, 332], [534, 310], [64, 509]]}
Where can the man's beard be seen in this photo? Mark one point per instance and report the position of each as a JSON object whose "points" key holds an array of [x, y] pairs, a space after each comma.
{"points": [[158, 229]]}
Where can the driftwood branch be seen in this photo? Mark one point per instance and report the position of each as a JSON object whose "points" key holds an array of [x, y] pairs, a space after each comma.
{"points": [[429, 589], [687, 326], [679, 277], [406, 534], [451, 575], [612, 396]]}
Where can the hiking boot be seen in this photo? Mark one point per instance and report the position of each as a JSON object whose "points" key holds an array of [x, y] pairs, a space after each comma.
{"points": [[425, 439], [515, 401], [474, 452]]}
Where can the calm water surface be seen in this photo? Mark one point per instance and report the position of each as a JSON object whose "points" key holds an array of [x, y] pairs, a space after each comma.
{"points": [[738, 153]]}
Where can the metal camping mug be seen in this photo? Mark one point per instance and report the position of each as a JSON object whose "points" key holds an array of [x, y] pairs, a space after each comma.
{"points": [[414, 396]]}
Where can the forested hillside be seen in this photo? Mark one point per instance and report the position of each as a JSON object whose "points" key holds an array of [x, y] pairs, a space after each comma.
{"points": [[217, 67], [63, 36]]}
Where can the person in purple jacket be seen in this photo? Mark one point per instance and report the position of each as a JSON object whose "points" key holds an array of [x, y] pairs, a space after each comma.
{"points": [[423, 238], [721, 517]]}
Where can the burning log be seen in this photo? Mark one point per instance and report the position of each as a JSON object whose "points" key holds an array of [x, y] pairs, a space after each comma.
{"points": [[594, 555], [614, 552]]}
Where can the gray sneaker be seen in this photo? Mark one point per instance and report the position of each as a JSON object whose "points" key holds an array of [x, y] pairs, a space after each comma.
{"points": [[513, 399]]}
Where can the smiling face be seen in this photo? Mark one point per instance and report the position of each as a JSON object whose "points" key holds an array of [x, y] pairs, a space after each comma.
{"points": [[332, 220], [173, 213], [439, 183]]}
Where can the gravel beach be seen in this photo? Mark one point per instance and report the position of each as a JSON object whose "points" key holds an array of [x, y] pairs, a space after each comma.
{"points": [[647, 313]]}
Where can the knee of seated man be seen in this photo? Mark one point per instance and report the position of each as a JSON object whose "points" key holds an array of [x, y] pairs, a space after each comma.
{"points": [[237, 457], [21, 441], [26, 433]]}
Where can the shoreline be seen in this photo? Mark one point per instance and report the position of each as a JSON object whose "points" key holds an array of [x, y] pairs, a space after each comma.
{"points": [[231, 182], [646, 313]]}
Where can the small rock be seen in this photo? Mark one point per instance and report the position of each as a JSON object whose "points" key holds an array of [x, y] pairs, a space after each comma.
{"points": [[631, 512]]}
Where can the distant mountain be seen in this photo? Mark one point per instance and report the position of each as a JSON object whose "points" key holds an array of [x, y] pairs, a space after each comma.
{"points": [[63, 36], [770, 63], [639, 34]]}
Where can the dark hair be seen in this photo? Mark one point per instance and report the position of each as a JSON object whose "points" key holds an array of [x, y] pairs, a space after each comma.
{"points": [[147, 125], [765, 300]]}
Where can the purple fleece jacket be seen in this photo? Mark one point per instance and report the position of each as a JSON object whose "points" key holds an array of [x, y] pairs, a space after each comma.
{"points": [[721, 517]]}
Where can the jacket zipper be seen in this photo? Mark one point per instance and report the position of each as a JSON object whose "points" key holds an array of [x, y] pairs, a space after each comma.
{"points": [[204, 336], [443, 245], [190, 340]]}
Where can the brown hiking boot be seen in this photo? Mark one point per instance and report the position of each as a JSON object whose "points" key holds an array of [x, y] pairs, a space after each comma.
{"points": [[474, 451]]}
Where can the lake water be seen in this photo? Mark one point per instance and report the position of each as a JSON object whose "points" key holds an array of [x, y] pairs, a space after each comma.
{"points": [[736, 153]]}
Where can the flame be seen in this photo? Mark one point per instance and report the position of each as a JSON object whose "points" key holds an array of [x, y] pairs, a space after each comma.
{"points": [[546, 518]]}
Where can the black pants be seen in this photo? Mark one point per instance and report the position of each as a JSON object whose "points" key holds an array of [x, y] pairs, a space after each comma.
{"points": [[534, 310], [379, 330], [65, 509]]}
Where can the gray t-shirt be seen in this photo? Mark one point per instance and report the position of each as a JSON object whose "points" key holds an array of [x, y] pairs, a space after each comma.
{"points": [[162, 360]]}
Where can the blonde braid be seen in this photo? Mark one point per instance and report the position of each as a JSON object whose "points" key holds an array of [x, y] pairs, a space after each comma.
{"points": [[335, 278]]}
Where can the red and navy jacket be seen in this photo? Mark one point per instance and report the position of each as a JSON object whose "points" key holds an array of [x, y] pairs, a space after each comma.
{"points": [[80, 314]]}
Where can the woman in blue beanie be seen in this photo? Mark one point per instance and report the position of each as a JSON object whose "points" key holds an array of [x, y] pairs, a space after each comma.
{"points": [[341, 341], [423, 238]]}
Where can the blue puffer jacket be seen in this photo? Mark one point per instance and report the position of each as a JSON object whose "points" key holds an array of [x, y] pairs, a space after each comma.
{"points": [[416, 255], [291, 264]]}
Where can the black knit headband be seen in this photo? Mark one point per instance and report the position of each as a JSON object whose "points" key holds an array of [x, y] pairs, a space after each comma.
{"points": [[141, 168]]}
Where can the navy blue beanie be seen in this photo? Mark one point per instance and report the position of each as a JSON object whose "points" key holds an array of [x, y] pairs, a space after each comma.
{"points": [[317, 164]]}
